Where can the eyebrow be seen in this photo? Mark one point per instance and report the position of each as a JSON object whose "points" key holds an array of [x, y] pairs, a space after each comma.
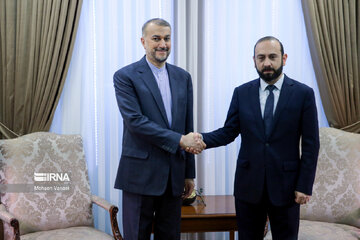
{"points": [[160, 36], [270, 54]]}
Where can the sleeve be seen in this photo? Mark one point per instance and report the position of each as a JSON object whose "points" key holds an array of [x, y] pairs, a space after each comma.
{"points": [[229, 131], [189, 158], [136, 122], [309, 145]]}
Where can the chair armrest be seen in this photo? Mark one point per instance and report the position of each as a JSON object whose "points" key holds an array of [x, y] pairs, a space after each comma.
{"points": [[113, 210], [101, 202], [8, 218]]}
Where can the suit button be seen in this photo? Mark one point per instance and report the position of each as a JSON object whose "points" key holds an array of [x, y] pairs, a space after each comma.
{"points": [[267, 144]]}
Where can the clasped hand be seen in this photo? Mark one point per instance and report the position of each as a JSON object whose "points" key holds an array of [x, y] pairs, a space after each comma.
{"points": [[192, 143]]}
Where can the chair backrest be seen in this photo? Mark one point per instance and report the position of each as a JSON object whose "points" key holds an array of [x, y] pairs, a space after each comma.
{"points": [[47, 182], [336, 191]]}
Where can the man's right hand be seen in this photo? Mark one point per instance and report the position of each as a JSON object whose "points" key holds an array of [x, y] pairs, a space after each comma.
{"points": [[192, 143]]}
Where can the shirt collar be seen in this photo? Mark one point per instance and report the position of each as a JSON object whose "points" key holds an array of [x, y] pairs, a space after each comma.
{"points": [[155, 69], [278, 84]]}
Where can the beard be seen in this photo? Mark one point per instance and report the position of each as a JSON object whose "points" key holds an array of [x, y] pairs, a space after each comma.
{"points": [[162, 58], [268, 77]]}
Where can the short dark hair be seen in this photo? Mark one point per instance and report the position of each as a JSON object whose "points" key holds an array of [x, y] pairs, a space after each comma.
{"points": [[157, 21], [269, 38]]}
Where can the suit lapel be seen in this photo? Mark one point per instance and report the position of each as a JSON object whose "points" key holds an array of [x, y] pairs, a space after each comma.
{"points": [[174, 87], [255, 101], [285, 93], [148, 78]]}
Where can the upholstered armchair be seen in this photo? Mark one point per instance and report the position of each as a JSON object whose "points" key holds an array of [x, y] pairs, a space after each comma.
{"points": [[333, 212], [45, 191]]}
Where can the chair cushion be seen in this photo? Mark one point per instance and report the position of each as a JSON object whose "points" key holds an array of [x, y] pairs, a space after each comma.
{"points": [[44, 152], [336, 191], [87, 233], [313, 230]]}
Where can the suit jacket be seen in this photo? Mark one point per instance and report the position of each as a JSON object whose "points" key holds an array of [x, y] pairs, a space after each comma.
{"points": [[276, 160], [150, 147]]}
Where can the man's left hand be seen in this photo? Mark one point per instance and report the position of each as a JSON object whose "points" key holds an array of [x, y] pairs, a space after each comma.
{"points": [[189, 187], [301, 198]]}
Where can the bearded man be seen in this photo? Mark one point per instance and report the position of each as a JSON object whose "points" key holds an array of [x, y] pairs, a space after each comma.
{"points": [[277, 119]]}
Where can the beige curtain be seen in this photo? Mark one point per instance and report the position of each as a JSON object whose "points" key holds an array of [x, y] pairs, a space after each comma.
{"points": [[36, 42], [333, 29]]}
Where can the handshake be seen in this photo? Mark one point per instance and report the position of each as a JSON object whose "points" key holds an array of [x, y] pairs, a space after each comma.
{"points": [[192, 143]]}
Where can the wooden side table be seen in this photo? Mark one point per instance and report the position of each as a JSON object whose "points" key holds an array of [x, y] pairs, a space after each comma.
{"points": [[217, 216]]}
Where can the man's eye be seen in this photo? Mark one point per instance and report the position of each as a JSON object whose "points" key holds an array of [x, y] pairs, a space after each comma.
{"points": [[274, 56], [167, 39], [156, 39]]}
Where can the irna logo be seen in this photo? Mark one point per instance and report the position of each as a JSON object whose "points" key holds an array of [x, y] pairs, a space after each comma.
{"points": [[51, 177]]}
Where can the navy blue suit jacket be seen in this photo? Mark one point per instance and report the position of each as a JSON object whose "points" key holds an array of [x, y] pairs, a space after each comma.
{"points": [[150, 147], [276, 160]]}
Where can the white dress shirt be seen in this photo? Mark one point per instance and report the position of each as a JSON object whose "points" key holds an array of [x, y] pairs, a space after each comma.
{"points": [[264, 93], [162, 78]]}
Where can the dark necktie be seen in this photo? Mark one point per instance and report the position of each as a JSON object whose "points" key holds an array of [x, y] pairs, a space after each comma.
{"points": [[269, 109]]}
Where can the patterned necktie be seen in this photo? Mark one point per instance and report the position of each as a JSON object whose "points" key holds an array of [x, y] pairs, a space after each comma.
{"points": [[269, 109]]}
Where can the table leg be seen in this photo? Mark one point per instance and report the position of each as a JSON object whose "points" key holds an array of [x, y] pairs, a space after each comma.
{"points": [[232, 235]]}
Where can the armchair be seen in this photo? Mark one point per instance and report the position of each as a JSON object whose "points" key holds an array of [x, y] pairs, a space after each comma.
{"points": [[333, 212], [45, 191]]}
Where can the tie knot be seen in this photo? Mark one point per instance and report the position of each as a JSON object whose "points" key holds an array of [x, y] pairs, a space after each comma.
{"points": [[270, 87]]}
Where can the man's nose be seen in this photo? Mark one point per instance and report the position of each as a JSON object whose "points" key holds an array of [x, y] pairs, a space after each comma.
{"points": [[162, 43], [267, 62]]}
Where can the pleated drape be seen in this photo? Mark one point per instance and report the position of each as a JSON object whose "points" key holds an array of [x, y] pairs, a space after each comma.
{"points": [[333, 29], [37, 38]]}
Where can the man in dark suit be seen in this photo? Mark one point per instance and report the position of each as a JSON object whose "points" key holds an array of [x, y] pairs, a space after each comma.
{"points": [[156, 102], [274, 173]]}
